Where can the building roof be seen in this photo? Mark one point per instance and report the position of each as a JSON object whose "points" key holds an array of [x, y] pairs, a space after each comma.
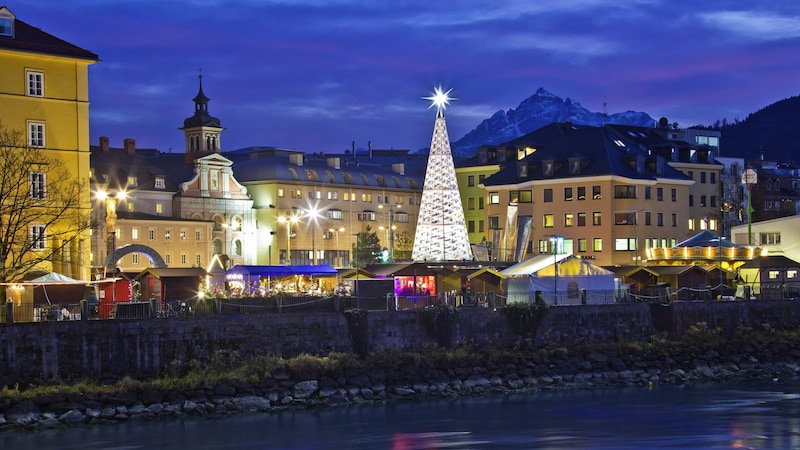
{"points": [[770, 262], [281, 271], [28, 38], [115, 165], [380, 170], [585, 152], [706, 239], [172, 272]]}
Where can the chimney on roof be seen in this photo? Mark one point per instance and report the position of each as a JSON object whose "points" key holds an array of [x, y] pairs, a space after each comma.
{"points": [[130, 146], [104, 143]]}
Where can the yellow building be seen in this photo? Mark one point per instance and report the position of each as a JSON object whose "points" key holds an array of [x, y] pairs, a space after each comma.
{"points": [[44, 92], [470, 175]]}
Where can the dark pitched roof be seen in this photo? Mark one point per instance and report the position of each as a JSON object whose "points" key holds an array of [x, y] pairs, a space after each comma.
{"points": [[597, 150], [133, 215], [146, 164], [487, 154], [254, 164], [705, 239], [28, 38], [770, 262]]}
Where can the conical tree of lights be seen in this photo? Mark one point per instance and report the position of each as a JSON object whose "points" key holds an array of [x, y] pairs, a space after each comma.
{"points": [[441, 233]]}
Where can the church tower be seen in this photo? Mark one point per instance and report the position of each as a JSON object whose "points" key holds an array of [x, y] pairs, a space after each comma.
{"points": [[202, 130]]}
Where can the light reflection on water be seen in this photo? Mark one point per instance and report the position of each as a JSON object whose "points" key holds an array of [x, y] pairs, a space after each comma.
{"points": [[757, 415]]}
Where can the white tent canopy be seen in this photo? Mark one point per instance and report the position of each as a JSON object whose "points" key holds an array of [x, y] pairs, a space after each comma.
{"points": [[577, 281], [55, 278]]}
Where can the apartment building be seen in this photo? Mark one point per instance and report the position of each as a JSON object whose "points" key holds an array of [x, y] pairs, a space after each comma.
{"points": [[310, 207], [44, 93], [604, 193]]}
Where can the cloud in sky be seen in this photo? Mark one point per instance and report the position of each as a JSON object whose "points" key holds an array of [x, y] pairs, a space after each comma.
{"points": [[318, 74], [755, 25]]}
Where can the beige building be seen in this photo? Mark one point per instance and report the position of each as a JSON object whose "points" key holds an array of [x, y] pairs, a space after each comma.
{"points": [[155, 209], [310, 207], [254, 206], [600, 193]]}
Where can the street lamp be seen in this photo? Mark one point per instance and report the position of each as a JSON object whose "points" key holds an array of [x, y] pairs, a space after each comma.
{"points": [[313, 215], [288, 221], [554, 244], [336, 233], [110, 200], [391, 229]]}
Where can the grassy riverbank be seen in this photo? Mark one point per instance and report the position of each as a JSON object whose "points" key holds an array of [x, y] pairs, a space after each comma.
{"points": [[226, 383]]}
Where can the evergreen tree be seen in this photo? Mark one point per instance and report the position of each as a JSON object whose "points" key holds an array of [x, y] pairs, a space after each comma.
{"points": [[367, 249]]}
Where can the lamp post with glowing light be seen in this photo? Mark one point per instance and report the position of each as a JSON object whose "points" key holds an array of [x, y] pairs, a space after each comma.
{"points": [[313, 215], [336, 232], [110, 202], [288, 221]]}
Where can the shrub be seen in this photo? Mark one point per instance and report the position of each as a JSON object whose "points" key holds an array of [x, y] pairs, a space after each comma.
{"points": [[524, 317]]}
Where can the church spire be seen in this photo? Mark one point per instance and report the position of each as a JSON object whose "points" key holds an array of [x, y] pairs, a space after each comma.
{"points": [[200, 100], [202, 130]]}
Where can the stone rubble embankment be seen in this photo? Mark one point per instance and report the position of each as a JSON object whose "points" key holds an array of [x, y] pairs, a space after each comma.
{"points": [[558, 369]]}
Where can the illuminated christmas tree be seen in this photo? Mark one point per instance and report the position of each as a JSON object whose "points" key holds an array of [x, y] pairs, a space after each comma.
{"points": [[441, 229]]}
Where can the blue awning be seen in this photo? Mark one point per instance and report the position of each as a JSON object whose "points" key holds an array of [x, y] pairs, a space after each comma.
{"points": [[245, 271]]}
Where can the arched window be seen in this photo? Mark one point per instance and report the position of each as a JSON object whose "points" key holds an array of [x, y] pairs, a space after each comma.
{"points": [[216, 246], [236, 223], [237, 248], [218, 222]]}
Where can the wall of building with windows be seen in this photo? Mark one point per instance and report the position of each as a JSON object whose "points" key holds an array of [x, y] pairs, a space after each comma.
{"points": [[44, 91]]}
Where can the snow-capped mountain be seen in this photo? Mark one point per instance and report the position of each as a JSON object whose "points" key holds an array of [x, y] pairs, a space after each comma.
{"points": [[538, 110]]}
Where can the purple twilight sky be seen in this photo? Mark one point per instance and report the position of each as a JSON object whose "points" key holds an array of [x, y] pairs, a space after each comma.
{"points": [[315, 75]]}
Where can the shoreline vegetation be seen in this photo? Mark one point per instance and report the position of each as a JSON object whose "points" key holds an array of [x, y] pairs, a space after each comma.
{"points": [[227, 384]]}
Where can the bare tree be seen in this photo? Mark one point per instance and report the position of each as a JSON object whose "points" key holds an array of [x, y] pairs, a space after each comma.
{"points": [[42, 215]]}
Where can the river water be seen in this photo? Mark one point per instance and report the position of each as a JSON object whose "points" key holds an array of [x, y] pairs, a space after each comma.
{"points": [[755, 414]]}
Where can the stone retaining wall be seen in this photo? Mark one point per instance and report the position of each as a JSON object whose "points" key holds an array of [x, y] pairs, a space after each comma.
{"points": [[108, 350]]}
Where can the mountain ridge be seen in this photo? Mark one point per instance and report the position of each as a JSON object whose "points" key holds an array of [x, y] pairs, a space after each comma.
{"points": [[540, 109]]}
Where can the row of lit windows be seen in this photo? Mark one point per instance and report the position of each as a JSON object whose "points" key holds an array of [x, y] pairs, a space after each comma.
{"points": [[620, 244], [313, 176], [365, 216], [579, 219], [168, 259], [151, 234], [579, 193], [349, 197]]}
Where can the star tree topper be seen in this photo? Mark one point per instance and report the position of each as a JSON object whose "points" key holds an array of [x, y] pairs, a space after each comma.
{"points": [[440, 99]]}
